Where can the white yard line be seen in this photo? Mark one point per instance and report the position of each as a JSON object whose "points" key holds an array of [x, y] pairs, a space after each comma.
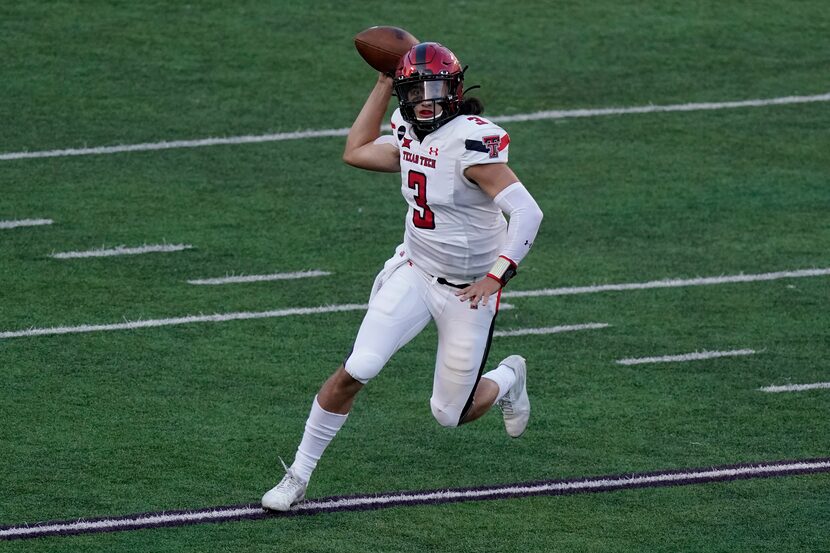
{"points": [[685, 357], [549, 329], [669, 283], [422, 498], [260, 278], [353, 307], [175, 144], [217, 318], [121, 250], [145, 521], [247, 315], [704, 106], [25, 223], [795, 387], [299, 135]]}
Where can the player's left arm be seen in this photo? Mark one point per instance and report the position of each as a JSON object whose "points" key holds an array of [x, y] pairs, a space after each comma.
{"points": [[499, 182]]}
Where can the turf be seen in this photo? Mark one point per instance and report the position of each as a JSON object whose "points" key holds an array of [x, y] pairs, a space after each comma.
{"points": [[192, 416]]}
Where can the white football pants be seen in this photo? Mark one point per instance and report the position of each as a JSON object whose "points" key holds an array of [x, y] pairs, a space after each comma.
{"points": [[403, 302]]}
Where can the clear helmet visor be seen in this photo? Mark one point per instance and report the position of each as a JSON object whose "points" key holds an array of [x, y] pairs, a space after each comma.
{"points": [[426, 90]]}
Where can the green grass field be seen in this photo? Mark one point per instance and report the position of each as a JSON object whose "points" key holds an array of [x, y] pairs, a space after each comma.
{"points": [[194, 415]]}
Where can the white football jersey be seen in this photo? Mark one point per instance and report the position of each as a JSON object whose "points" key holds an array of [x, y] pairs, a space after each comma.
{"points": [[453, 229]]}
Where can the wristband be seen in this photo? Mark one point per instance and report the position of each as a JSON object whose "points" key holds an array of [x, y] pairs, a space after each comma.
{"points": [[503, 270]]}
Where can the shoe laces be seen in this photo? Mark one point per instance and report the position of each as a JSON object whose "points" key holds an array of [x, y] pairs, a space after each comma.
{"points": [[289, 481], [506, 406]]}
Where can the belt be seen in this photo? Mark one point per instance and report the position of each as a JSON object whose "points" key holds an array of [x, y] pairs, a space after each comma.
{"points": [[442, 280]]}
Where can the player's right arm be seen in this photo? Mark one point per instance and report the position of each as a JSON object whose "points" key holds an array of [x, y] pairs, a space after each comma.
{"points": [[363, 149]]}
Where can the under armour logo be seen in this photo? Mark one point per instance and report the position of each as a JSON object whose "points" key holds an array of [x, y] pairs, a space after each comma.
{"points": [[433, 151]]}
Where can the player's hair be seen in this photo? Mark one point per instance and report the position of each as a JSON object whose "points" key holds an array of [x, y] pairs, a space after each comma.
{"points": [[471, 106]]}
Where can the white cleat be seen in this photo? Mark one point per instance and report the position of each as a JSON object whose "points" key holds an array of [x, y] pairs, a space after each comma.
{"points": [[515, 405], [289, 491]]}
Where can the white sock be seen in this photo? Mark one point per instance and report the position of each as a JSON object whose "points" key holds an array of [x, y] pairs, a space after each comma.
{"points": [[504, 377], [320, 429]]}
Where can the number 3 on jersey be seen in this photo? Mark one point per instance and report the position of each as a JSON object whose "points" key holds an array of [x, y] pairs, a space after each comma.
{"points": [[424, 218]]}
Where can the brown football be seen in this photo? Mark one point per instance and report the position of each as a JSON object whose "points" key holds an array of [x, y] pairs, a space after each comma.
{"points": [[382, 46]]}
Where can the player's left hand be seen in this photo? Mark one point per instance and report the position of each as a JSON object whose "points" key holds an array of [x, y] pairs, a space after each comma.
{"points": [[479, 291]]}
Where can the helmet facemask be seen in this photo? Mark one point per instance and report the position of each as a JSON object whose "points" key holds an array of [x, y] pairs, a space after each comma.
{"points": [[429, 101]]}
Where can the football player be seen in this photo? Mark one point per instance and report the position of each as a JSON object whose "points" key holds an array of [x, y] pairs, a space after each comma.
{"points": [[457, 254]]}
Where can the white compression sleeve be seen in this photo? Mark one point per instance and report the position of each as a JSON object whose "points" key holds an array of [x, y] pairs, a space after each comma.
{"points": [[525, 218]]}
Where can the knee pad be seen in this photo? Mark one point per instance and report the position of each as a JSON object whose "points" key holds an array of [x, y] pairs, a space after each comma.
{"points": [[448, 417], [363, 366]]}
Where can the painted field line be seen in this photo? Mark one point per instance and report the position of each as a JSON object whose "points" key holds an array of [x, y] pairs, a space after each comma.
{"points": [[260, 278], [25, 223], [795, 387], [247, 315], [370, 502], [549, 329], [685, 357], [176, 144], [351, 307], [298, 135], [121, 250], [704, 106], [668, 283], [217, 318]]}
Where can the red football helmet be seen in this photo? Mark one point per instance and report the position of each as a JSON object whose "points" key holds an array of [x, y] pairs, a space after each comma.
{"points": [[429, 72]]}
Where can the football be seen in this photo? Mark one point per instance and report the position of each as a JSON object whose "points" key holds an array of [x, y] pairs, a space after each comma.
{"points": [[383, 46]]}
